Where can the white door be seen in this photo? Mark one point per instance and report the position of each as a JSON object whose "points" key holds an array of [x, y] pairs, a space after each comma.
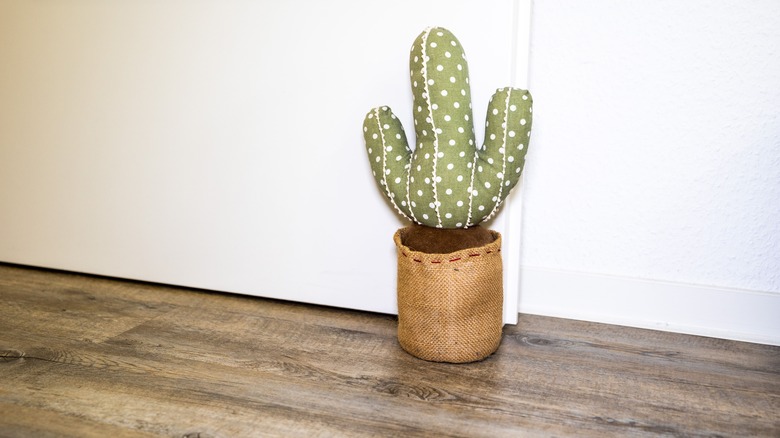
{"points": [[218, 144]]}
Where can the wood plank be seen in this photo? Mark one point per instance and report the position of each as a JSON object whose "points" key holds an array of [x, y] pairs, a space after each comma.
{"points": [[176, 362]]}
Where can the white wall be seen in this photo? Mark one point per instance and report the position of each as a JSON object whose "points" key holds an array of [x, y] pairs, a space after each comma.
{"points": [[652, 190]]}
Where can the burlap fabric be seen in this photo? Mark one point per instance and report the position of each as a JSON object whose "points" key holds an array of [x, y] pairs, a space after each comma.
{"points": [[450, 306]]}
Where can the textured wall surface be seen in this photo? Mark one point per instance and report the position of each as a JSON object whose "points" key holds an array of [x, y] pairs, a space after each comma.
{"points": [[656, 145]]}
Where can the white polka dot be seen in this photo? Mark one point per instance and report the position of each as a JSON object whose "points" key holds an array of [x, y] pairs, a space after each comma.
{"points": [[525, 97], [460, 203], [430, 82], [495, 111], [511, 133], [492, 136], [520, 147], [456, 104], [371, 116], [481, 207], [439, 67], [427, 180], [440, 154], [443, 92], [447, 118], [490, 160], [419, 108], [398, 180], [448, 54], [450, 166], [522, 121], [433, 45], [432, 205], [462, 154], [461, 130], [479, 168], [460, 67], [389, 148], [452, 79], [448, 215], [369, 150], [448, 191], [510, 158], [425, 216], [459, 224], [398, 136], [487, 185], [377, 159], [399, 158], [419, 193], [475, 193], [518, 170], [452, 142], [374, 136], [500, 175], [460, 177], [512, 107], [435, 106]]}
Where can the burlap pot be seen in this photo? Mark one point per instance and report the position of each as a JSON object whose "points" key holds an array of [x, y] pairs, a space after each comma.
{"points": [[450, 306]]}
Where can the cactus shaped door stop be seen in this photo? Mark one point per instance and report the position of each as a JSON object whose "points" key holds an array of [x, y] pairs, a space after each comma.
{"points": [[450, 291]]}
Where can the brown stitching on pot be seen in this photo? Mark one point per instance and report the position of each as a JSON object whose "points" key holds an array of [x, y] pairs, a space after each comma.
{"points": [[452, 260]]}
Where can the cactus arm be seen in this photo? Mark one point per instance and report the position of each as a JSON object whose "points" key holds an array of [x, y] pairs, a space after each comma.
{"points": [[389, 155], [501, 160]]}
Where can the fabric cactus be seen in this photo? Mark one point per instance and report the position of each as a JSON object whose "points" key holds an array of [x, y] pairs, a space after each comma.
{"points": [[447, 181]]}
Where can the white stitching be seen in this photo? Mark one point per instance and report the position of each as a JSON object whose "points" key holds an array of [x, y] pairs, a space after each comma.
{"points": [[471, 187], [433, 126]]}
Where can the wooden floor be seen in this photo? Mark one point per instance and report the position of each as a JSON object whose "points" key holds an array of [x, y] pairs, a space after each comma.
{"points": [[84, 356]]}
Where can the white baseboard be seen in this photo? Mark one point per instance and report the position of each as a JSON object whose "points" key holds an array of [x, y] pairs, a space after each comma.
{"points": [[742, 315]]}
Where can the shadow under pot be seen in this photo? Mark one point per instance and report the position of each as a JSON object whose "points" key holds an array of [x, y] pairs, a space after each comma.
{"points": [[450, 292]]}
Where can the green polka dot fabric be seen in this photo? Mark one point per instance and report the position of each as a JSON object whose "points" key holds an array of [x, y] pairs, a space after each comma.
{"points": [[447, 181]]}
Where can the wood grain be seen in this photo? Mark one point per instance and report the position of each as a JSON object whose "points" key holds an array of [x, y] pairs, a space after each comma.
{"points": [[84, 356]]}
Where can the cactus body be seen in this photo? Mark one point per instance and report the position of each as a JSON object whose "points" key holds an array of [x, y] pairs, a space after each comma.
{"points": [[447, 181]]}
